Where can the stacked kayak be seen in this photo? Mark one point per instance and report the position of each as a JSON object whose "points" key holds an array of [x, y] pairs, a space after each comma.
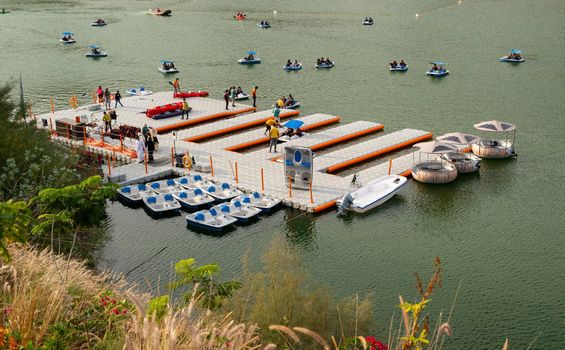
{"points": [[164, 111], [190, 94]]}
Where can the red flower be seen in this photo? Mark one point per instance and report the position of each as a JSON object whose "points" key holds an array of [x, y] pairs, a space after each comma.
{"points": [[116, 311], [124, 311]]}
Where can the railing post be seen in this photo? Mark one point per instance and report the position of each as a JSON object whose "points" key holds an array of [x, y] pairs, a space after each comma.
{"points": [[145, 159], [236, 174], [289, 187], [311, 195], [211, 166], [109, 165], [389, 165], [262, 181]]}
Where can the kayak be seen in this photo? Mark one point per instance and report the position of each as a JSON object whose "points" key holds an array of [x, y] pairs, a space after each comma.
{"points": [[101, 54], [190, 94], [167, 71], [325, 65], [159, 13], [264, 26], [399, 69], [288, 68], [168, 114], [511, 60], [246, 61], [4, 12], [162, 109], [242, 96]]}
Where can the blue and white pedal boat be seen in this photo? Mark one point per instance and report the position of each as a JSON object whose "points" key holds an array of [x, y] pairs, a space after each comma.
{"points": [[161, 204], [259, 201], [222, 192], [192, 182], [133, 194], [193, 199], [235, 208], [164, 186], [210, 220]]}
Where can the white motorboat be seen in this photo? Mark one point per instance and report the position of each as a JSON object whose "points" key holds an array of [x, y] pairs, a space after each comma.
{"points": [[243, 213], [139, 92], [372, 194], [257, 200], [165, 186], [210, 220], [161, 204], [241, 96], [193, 199], [222, 192], [158, 12], [133, 194], [192, 182]]}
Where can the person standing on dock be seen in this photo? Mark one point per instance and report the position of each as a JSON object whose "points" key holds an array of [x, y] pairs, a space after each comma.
{"points": [[254, 96], [100, 93], [232, 95], [118, 99], [107, 121], [274, 137], [227, 98], [176, 85], [150, 143], [184, 109], [140, 148], [145, 131], [269, 124], [107, 99], [276, 113]]}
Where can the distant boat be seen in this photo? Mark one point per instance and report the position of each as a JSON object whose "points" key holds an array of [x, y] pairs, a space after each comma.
{"points": [[513, 57], [96, 52], [440, 71], [158, 12]]}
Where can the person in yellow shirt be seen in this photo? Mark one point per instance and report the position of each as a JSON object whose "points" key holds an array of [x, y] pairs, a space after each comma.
{"points": [[176, 85], [274, 134], [107, 121], [185, 109], [269, 124], [254, 96]]}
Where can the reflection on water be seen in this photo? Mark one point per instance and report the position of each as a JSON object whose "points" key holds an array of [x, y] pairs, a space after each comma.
{"points": [[300, 229]]}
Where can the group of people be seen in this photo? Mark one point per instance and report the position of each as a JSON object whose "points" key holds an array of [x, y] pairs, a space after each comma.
{"points": [[99, 21], [321, 61], [106, 97], [168, 65], [272, 129], [369, 20], [264, 23], [514, 56], [285, 101], [439, 68], [250, 57], [395, 64], [95, 50], [147, 143], [289, 63], [67, 38], [232, 94], [240, 15], [293, 133]]}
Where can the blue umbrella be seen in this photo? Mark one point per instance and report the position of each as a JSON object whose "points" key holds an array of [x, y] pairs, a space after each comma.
{"points": [[439, 62], [515, 51], [166, 61], [294, 124], [94, 46], [67, 33], [251, 52]]}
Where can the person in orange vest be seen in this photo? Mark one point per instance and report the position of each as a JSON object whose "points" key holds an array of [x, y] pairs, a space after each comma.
{"points": [[184, 109], [254, 96], [176, 85]]}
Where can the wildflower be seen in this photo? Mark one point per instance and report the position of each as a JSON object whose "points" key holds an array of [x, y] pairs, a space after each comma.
{"points": [[3, 332], [124, 311], [13, 344], [116, 311]]}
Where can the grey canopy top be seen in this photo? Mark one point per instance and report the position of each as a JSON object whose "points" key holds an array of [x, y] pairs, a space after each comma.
{"points": [[495, 125]]}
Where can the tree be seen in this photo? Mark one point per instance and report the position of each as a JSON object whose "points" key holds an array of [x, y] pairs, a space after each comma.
{"points": [[15, 219]]}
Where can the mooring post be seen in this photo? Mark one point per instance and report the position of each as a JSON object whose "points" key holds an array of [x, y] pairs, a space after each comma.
{"points": [[389, 165], [262, 181], [236, 173], [211, 166]]}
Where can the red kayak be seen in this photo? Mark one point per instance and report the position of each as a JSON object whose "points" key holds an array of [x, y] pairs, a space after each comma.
{"points": [[191, 94], [151, 112]]}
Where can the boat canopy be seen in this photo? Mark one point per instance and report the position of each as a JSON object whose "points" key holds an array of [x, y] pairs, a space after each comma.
{"points": [[515, 51], [495, 125], [439, 62], [95, 46], [67, 33], [294, 124], [459, 137], [251, 52], [166, 61], [436, 147]]}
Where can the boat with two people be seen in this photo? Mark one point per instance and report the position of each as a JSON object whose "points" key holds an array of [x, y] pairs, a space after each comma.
{"points": [[514, 56], [371, 195], [67, 38], [159, 12], [437, 69], [210, 220], [193, 199], [240, 16], [398, 66], [292, 131], [324, 63], [260, 201], [99, 23], [96, 52], [167, 66], [264, 24], [161, 205], [290, 65], [250, 58], [287, 102], [240, 95], [368, 21]]}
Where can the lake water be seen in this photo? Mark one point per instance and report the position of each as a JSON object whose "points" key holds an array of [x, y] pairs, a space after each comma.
{"points": [[501, 232]]}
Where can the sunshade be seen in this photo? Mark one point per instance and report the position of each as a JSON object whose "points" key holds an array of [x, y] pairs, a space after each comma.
{"points": [[515, 51], [436, 147], [166, 61], [67, 33], [94, 46], [294, 124], [459, 137], [439, 62], [495, 125], [251, 52]]}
